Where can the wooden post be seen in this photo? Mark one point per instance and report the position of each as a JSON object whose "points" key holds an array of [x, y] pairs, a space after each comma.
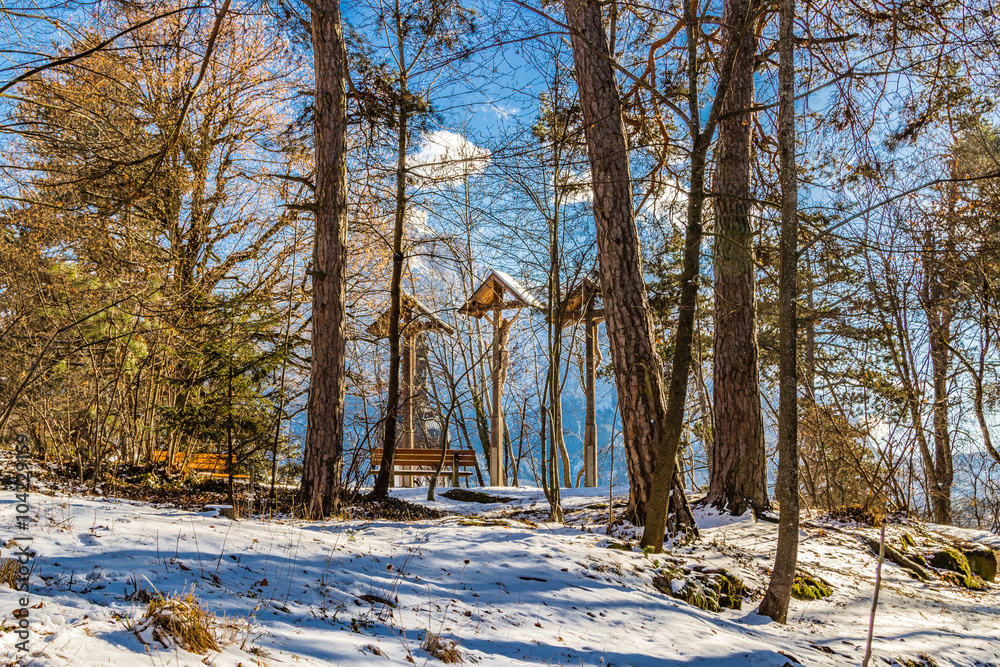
{"points": [[409, 359], [590, 430], [496, 418]]}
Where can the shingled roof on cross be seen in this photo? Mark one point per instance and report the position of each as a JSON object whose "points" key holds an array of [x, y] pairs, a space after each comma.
{"points": [[493, 291], [423, 319]]}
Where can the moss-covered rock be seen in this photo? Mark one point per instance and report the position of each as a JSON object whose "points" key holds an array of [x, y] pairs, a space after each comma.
{"points": [[959, 571], [982, 561], [477, 521], [951, 559], [731, 590], [915, 564], [709, 592], [972, 582], [688, 590], [808, 587], [907, 541]]}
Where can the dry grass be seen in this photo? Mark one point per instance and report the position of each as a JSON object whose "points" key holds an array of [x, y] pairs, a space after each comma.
{"points": [[180, 619], [10, 568], [445, 650]]}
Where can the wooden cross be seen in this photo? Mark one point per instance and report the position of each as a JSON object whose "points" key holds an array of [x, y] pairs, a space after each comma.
{"points": [[498, 292], [417, 318]]}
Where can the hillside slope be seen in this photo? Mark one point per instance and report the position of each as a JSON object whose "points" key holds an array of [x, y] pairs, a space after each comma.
{"points": [[506, 587]]}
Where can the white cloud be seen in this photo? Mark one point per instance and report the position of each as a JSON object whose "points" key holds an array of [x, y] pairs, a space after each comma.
{"points": [[669, 202], [416, 219], [503, 110], [446, 157], [582, 192]]}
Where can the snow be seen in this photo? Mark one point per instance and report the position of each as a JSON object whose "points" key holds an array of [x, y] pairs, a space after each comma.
{"points": [[513, 589], [514, 286]]}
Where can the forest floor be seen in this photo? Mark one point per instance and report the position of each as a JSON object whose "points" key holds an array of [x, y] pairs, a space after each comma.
{"points": [[495, 583]]}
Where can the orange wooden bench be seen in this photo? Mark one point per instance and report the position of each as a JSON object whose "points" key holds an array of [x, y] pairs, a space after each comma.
{"points": [[424, 463], [203, 463]]}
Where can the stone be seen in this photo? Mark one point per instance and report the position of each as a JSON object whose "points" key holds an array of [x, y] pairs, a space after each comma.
{"points": [[958, 570], [709, 592], [951, 559], [982, 561], [808, 587], [898, 558], [468, 496], [225, 511]]}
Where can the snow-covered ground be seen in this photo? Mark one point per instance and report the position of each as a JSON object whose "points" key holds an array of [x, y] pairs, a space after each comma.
{"points": [[509, 590]]}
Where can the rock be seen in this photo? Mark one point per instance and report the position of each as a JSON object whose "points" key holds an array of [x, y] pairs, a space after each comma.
{"points": [[225, 511], [720, 591], [731, 590], [477, 521], [468, 496], [808, 587], [951, 559], [958, 570], [982, 561], [897, 558], [972, 582]]}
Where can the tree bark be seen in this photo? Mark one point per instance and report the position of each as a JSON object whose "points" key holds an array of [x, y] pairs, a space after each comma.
{"points": [[940, 316], [555, 317], [737, 476], [779, 589], [324, 448], [590, 427], [384, 480], [637, 367], [701, 139]]}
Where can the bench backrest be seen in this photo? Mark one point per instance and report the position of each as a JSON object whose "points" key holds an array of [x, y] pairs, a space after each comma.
{"points": [[427, 457], [200, 461]]}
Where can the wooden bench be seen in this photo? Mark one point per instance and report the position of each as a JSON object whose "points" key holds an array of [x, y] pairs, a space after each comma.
{"points": [[415, 463], [204, 463]]}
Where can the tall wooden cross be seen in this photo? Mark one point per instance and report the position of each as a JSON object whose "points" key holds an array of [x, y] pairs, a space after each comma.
{"points": [[498, 292], [417, 318], [581, 305]]}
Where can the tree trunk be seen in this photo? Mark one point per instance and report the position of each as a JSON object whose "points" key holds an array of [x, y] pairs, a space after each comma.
{"points": [[324, 448], [737, 476], [384, 480], [705, 408], [638, 369], [944, 471], [230, 459], [590, 427], [779, 589], [556, 445]]}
